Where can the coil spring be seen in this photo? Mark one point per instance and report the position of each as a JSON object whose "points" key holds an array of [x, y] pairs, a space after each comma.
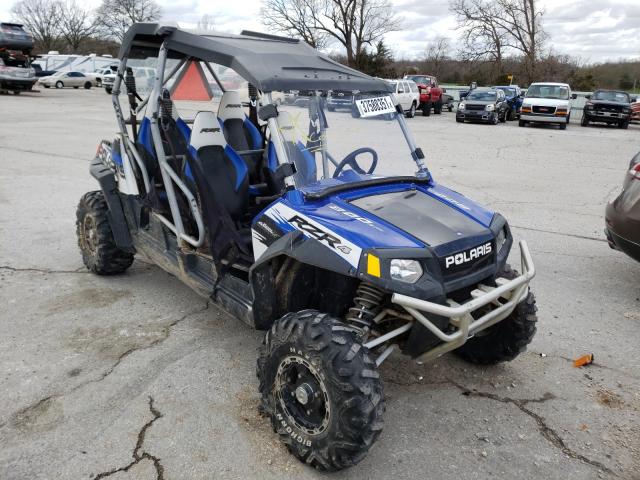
{"points": [[130, 82], [166, 105], [367, 303]]}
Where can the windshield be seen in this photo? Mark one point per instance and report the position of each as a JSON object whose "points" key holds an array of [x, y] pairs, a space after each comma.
{"points": [[360, 141], [510, 92], [419, 79], [619, 97], [556, 92], [482, 96]]}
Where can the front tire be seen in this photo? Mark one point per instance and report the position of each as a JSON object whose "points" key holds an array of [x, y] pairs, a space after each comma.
{"points": [[100, 253], [507, 339], [321, 390], [411, 112], [59, 84], [585, 121], [426, 109], [438, 107]]}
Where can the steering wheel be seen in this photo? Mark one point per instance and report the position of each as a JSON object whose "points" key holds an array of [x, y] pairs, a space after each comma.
{"points": [[351, 161]]}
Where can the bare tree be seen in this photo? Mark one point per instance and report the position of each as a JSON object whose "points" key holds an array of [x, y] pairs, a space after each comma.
{"points": [[114, 17], [76, 24], [523, 20], [493, 27], [436, 54], [483, 36], [42, 18], [206, 22], [294, 18], [355, 24]]}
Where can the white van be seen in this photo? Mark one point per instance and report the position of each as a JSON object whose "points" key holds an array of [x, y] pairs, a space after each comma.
{"points": [[547, 102]]}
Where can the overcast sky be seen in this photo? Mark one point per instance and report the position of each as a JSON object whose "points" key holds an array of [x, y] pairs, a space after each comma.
{"points": [[592, 30]]}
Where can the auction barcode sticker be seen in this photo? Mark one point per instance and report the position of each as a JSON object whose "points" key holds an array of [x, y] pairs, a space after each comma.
{"points": [[368, 107]]}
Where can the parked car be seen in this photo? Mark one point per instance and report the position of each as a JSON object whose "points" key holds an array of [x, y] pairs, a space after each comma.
{"points": [[547, 103], [407, 95], [514, 96], [612, 107], [66, 79], [430, 93], [622, 216], [447, 101], [15, 73], [485, 105], [635, 112], [340, 99], [14, 37]]}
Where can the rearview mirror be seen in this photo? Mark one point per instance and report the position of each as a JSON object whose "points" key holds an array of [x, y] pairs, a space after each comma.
{"points": [[588, 97], [574, 96], [634, 100], [444, 90]]}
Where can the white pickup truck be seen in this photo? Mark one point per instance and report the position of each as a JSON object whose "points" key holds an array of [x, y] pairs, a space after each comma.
{"points": [[408, 96], [547, 102]]}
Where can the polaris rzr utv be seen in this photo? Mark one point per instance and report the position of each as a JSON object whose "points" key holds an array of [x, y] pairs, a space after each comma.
{"points": [[325, 230]]}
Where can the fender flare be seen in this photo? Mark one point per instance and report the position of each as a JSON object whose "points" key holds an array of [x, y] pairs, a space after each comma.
{"points": [[107, 180]]}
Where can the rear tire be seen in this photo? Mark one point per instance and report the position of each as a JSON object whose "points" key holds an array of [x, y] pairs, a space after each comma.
{"points": [[100, 253], [563, 126], [507, 339], [437, 109], [321, 390], [87, 85]]}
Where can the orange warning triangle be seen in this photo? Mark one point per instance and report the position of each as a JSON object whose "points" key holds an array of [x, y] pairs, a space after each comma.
{"points": [[192, 84]]}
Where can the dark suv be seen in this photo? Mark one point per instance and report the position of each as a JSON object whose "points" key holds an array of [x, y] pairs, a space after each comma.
{"points": [[483, 105], [612, 107]]}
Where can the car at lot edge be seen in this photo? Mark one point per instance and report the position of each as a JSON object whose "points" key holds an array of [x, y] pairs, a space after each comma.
{"points": [[67, 80], [622, 215], [635, 112], [547, 103], [340, 99], [612, 107], [514, 95], [486, 105], [430, 93], [144, 79]]}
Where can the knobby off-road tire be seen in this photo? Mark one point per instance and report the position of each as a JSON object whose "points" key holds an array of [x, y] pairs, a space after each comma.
{"points": [[100, 253], [507, 339], [321, 390]]}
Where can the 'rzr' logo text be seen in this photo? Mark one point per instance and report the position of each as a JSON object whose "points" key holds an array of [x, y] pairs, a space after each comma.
{"points": [[319, 234], [465, 257]]}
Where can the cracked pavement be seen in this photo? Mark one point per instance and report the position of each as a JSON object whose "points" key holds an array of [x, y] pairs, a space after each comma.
{"points": [[136, 377]]}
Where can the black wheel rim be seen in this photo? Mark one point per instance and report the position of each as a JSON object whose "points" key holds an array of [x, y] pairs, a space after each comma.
{"points": [[89, 234], [302, 395]]}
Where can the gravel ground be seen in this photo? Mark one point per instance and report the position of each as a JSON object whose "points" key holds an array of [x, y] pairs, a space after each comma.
{"points": [[136, 377]]}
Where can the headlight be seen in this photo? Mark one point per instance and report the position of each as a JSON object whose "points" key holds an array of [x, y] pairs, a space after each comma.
{"points": [[490, 108], [589, 106], [408, 271], [461, 106]]}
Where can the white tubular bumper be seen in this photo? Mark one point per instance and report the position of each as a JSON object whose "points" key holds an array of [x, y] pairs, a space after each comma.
{"points": [[503, 299]]}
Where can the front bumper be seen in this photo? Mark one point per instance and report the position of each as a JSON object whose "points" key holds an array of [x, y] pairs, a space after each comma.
{"points": [[501, 299], [599, 116], [529, 117], [22, 84], [475, 115]]}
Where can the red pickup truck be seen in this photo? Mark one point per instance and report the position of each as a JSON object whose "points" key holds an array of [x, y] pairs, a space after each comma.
{"points": [[430, 93]]}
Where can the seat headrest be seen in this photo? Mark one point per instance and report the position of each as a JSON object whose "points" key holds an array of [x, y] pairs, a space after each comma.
{"points": [[230, 106], [206, 131], [288, 127]]}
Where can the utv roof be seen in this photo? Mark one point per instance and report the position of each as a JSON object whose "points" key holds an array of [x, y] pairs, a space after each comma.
{"points": [[267, 61]]}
